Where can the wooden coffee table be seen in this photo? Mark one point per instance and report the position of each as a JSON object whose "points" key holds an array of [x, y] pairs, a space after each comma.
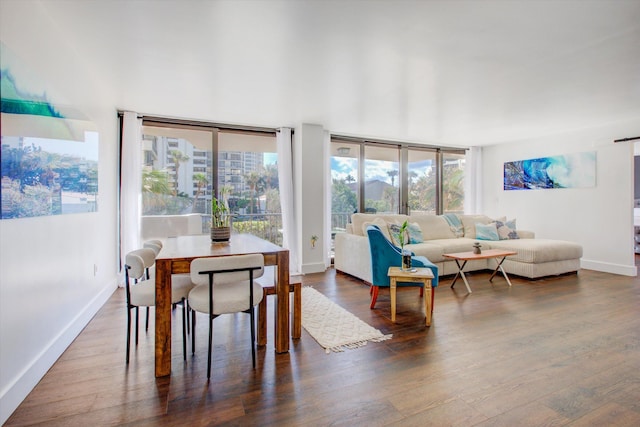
{"points": [[461, 259]]}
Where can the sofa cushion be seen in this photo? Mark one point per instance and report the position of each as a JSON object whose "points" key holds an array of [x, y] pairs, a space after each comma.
{"points": [[540, 250], [433, 226], [463, 244], [469, 222], [432, 252], [381, 224], [487, 231], [358, 219]]}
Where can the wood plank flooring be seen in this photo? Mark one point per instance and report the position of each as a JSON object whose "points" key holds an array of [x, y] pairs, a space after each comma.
{"points": [[552, 352]]}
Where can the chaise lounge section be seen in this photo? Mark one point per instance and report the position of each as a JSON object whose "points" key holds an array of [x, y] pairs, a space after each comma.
{"points": [[441, 234]]}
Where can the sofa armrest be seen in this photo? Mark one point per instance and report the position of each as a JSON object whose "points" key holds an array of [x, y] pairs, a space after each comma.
{"points": [[352, 256]]}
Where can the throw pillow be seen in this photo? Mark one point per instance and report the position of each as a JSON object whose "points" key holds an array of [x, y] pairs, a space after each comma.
{"points": [[394, 231], [382, 225], [486, 231], [415, 233], [507, 229]]}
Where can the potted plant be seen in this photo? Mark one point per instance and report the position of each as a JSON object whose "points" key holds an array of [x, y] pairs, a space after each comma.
{"points": [[220, 221], [406, 255]]}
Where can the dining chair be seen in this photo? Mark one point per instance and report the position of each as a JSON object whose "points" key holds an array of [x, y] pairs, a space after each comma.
{"points": [[184, 279], [140, 289], [156, 245], [225, 285]]}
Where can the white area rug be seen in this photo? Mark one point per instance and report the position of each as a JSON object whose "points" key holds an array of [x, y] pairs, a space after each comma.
{"points": [[332, 326]]}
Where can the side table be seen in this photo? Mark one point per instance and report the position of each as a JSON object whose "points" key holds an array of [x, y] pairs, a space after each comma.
{"points": [[416, 275]]}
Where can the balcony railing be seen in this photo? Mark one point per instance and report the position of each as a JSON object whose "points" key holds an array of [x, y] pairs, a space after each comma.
{"points": [[266, 226]]}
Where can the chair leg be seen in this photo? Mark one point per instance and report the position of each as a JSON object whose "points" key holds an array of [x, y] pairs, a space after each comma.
{"points": [[193, 332], [210, 343], [252, 314], [136, 325], [146, 324], [186, 303], [184, 330], [374, 295], [128, 333]]}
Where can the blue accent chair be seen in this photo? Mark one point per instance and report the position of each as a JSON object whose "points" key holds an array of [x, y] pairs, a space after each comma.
{"points": [[385, 254]]}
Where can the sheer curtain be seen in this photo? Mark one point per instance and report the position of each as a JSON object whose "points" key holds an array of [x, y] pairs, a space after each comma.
{"points": [[473, 181], [285, 178], [130, 183], [327, 198]]}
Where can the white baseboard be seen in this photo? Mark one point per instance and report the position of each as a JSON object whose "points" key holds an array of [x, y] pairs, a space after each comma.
{"points": [[317, 267], [605, 267], [16, 392]]}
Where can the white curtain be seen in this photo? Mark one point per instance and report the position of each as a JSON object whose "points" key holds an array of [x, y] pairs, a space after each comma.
{"points": [[327, 198], [130, 183], [473, 181], [285, 178]]}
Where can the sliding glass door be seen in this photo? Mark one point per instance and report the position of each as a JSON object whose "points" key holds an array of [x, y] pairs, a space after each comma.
{"points": [[184, 167]]}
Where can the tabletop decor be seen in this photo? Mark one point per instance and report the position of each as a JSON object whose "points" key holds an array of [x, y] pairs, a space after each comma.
{"points": [[220, 221], [406, 254], [333, 327]]}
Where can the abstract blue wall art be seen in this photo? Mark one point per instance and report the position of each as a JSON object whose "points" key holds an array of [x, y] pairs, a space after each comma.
{"points": [[49, 155], [577, 170]]}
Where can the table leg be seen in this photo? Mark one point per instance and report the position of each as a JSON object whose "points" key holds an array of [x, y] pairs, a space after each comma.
{"points": [[392, 291], [461, 273], [427, 301], [281, 324], [163, 318], [499, 267]]}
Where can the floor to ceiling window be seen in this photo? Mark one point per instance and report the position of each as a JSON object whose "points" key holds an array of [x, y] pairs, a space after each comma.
{"points": [[185, 166], [385, 177]]}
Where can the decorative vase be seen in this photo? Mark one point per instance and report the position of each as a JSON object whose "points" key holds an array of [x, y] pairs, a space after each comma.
{"points": [[476, 248], [220, 234], [406, 260]]}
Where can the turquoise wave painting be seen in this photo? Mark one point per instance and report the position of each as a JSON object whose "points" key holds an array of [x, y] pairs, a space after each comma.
{"points": [[577, 170]]}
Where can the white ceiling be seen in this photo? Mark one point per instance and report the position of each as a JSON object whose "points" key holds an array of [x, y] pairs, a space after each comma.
{"points": [[446, 72]]}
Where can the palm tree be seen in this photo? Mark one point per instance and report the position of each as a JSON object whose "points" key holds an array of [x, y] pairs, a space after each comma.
{"points": [[392, 174], [271, 182], [201, 182], [252, 179], [177, 157]]}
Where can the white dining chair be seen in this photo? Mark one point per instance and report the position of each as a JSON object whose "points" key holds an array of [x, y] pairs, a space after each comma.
{"points": [[225, 285], [140, 289]]}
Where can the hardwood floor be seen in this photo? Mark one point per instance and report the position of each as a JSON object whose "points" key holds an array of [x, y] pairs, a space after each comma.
{"points": [[551, 352]]}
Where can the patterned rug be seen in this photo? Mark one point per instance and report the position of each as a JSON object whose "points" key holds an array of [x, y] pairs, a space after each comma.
{"points": [[333, 327]]}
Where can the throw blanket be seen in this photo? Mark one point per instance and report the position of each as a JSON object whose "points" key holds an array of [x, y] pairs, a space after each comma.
{"points": [[455, 224]]}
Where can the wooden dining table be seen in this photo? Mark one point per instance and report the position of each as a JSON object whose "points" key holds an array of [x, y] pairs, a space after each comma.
{"points": [[175, 258]]}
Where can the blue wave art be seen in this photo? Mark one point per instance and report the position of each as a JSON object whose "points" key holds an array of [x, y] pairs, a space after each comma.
{"points": [[577, 170]]}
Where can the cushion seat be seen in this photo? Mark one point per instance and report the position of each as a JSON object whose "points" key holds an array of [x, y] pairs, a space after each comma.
{"points": [[536, 251]]}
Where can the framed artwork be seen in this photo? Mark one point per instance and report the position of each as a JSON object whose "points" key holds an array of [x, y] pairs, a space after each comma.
{"points": [[577, 170], [49, 157]]}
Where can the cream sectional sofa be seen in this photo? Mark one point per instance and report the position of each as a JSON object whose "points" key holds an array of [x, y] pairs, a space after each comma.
{"points": [[536, 257]]}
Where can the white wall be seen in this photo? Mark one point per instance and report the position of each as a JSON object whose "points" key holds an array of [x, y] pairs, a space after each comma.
{"points": [[599, 218], [48, 290], [310, 185]]}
